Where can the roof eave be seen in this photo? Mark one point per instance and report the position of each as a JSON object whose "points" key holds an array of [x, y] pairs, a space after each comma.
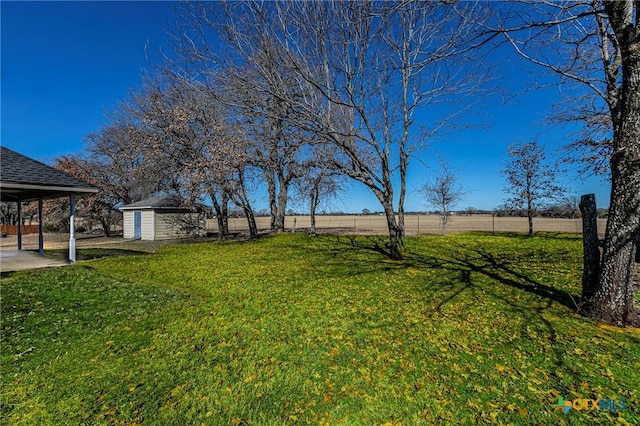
{"points": [[153, 208], [11, 191], [51, 188]]}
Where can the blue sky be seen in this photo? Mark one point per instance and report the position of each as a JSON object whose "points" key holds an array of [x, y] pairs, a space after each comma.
{"points": [[65, 63]]}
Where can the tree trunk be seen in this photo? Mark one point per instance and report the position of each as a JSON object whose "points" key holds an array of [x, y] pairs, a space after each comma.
{"points": [[224, 208], [106, 227], [530, 217], [613, 299], [219, 220], [313, 231], [219, 215], [282, 203], [591, 250], [403, 189], [271, 192], [251, 221], [244, 203], [313, 204], [396, 236]]}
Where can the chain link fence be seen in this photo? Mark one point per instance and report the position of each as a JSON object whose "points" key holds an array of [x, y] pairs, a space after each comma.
{"points": [[414, 224]]}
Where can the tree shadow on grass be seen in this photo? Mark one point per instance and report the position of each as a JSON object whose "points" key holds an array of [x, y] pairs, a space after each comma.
{"points": [[95, 253], [346, 254], [523, 305], [375, 243], [465, 274], [547, 235], [462, 260], [500, 269], [475, 266]]}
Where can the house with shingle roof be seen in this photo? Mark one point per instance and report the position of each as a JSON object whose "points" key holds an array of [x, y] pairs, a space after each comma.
{"points": [[25, 179]]}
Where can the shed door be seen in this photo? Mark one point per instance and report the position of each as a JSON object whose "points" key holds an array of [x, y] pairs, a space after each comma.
{"points": [[137, 225]]}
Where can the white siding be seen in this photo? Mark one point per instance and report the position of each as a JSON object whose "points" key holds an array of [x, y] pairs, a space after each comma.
{"points": [[127, 217], [162, 225], [147, 225], [166, 226], [176, 225]]}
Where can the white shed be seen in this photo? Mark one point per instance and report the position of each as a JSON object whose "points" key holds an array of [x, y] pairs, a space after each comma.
{"points": [[161, 218]]}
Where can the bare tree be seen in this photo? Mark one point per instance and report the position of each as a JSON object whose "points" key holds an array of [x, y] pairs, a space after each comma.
{"points": [[350, 73], [116, 151], [103, 206], [567, 207], [275, 145], [186, 127], [230, 47], [371, 67], [172, 136], [595, 45], [530, 179], [443, 193], [321, 182], [9, 212], [118, 163]]}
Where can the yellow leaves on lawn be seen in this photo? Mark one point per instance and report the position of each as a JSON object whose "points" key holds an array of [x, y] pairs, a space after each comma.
{"points": [[631, 331], [621, 421], [135, 386], [412, 272], [334, 352], [250, 378], [109, 412]]}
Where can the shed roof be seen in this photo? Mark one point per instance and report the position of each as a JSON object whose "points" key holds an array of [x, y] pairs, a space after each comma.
{"points": [[160, 202], [23, 178]]}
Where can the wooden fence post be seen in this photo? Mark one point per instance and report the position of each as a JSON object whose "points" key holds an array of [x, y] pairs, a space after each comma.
{"points": [[590, 245]]}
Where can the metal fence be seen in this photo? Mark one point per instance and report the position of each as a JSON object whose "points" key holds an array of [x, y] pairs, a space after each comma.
{"points": [[414, 224]]}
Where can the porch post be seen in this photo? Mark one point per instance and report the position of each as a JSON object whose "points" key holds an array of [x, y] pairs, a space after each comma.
{"points": [[40, 235], [72, 228], [19, 224]]}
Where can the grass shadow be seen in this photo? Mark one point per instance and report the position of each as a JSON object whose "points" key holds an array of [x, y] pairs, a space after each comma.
{"points": [[6, 274], [553, 235], [477, 269], [350, 252], [499, 268], [94, 253], [463, 260], [467, 272], [374, 243]]}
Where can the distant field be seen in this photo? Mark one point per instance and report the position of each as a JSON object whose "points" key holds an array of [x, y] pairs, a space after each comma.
{"points": [[416, 224]]}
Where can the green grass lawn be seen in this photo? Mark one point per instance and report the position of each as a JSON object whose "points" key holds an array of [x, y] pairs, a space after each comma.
{"points": [[291, 329]]}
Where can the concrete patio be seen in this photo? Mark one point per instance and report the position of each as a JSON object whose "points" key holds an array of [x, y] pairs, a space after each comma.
{"points": [[15, 260]]}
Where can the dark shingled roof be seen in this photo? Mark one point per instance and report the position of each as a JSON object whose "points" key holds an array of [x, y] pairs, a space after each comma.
{"points": [[23, 178], [164, 201]]}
